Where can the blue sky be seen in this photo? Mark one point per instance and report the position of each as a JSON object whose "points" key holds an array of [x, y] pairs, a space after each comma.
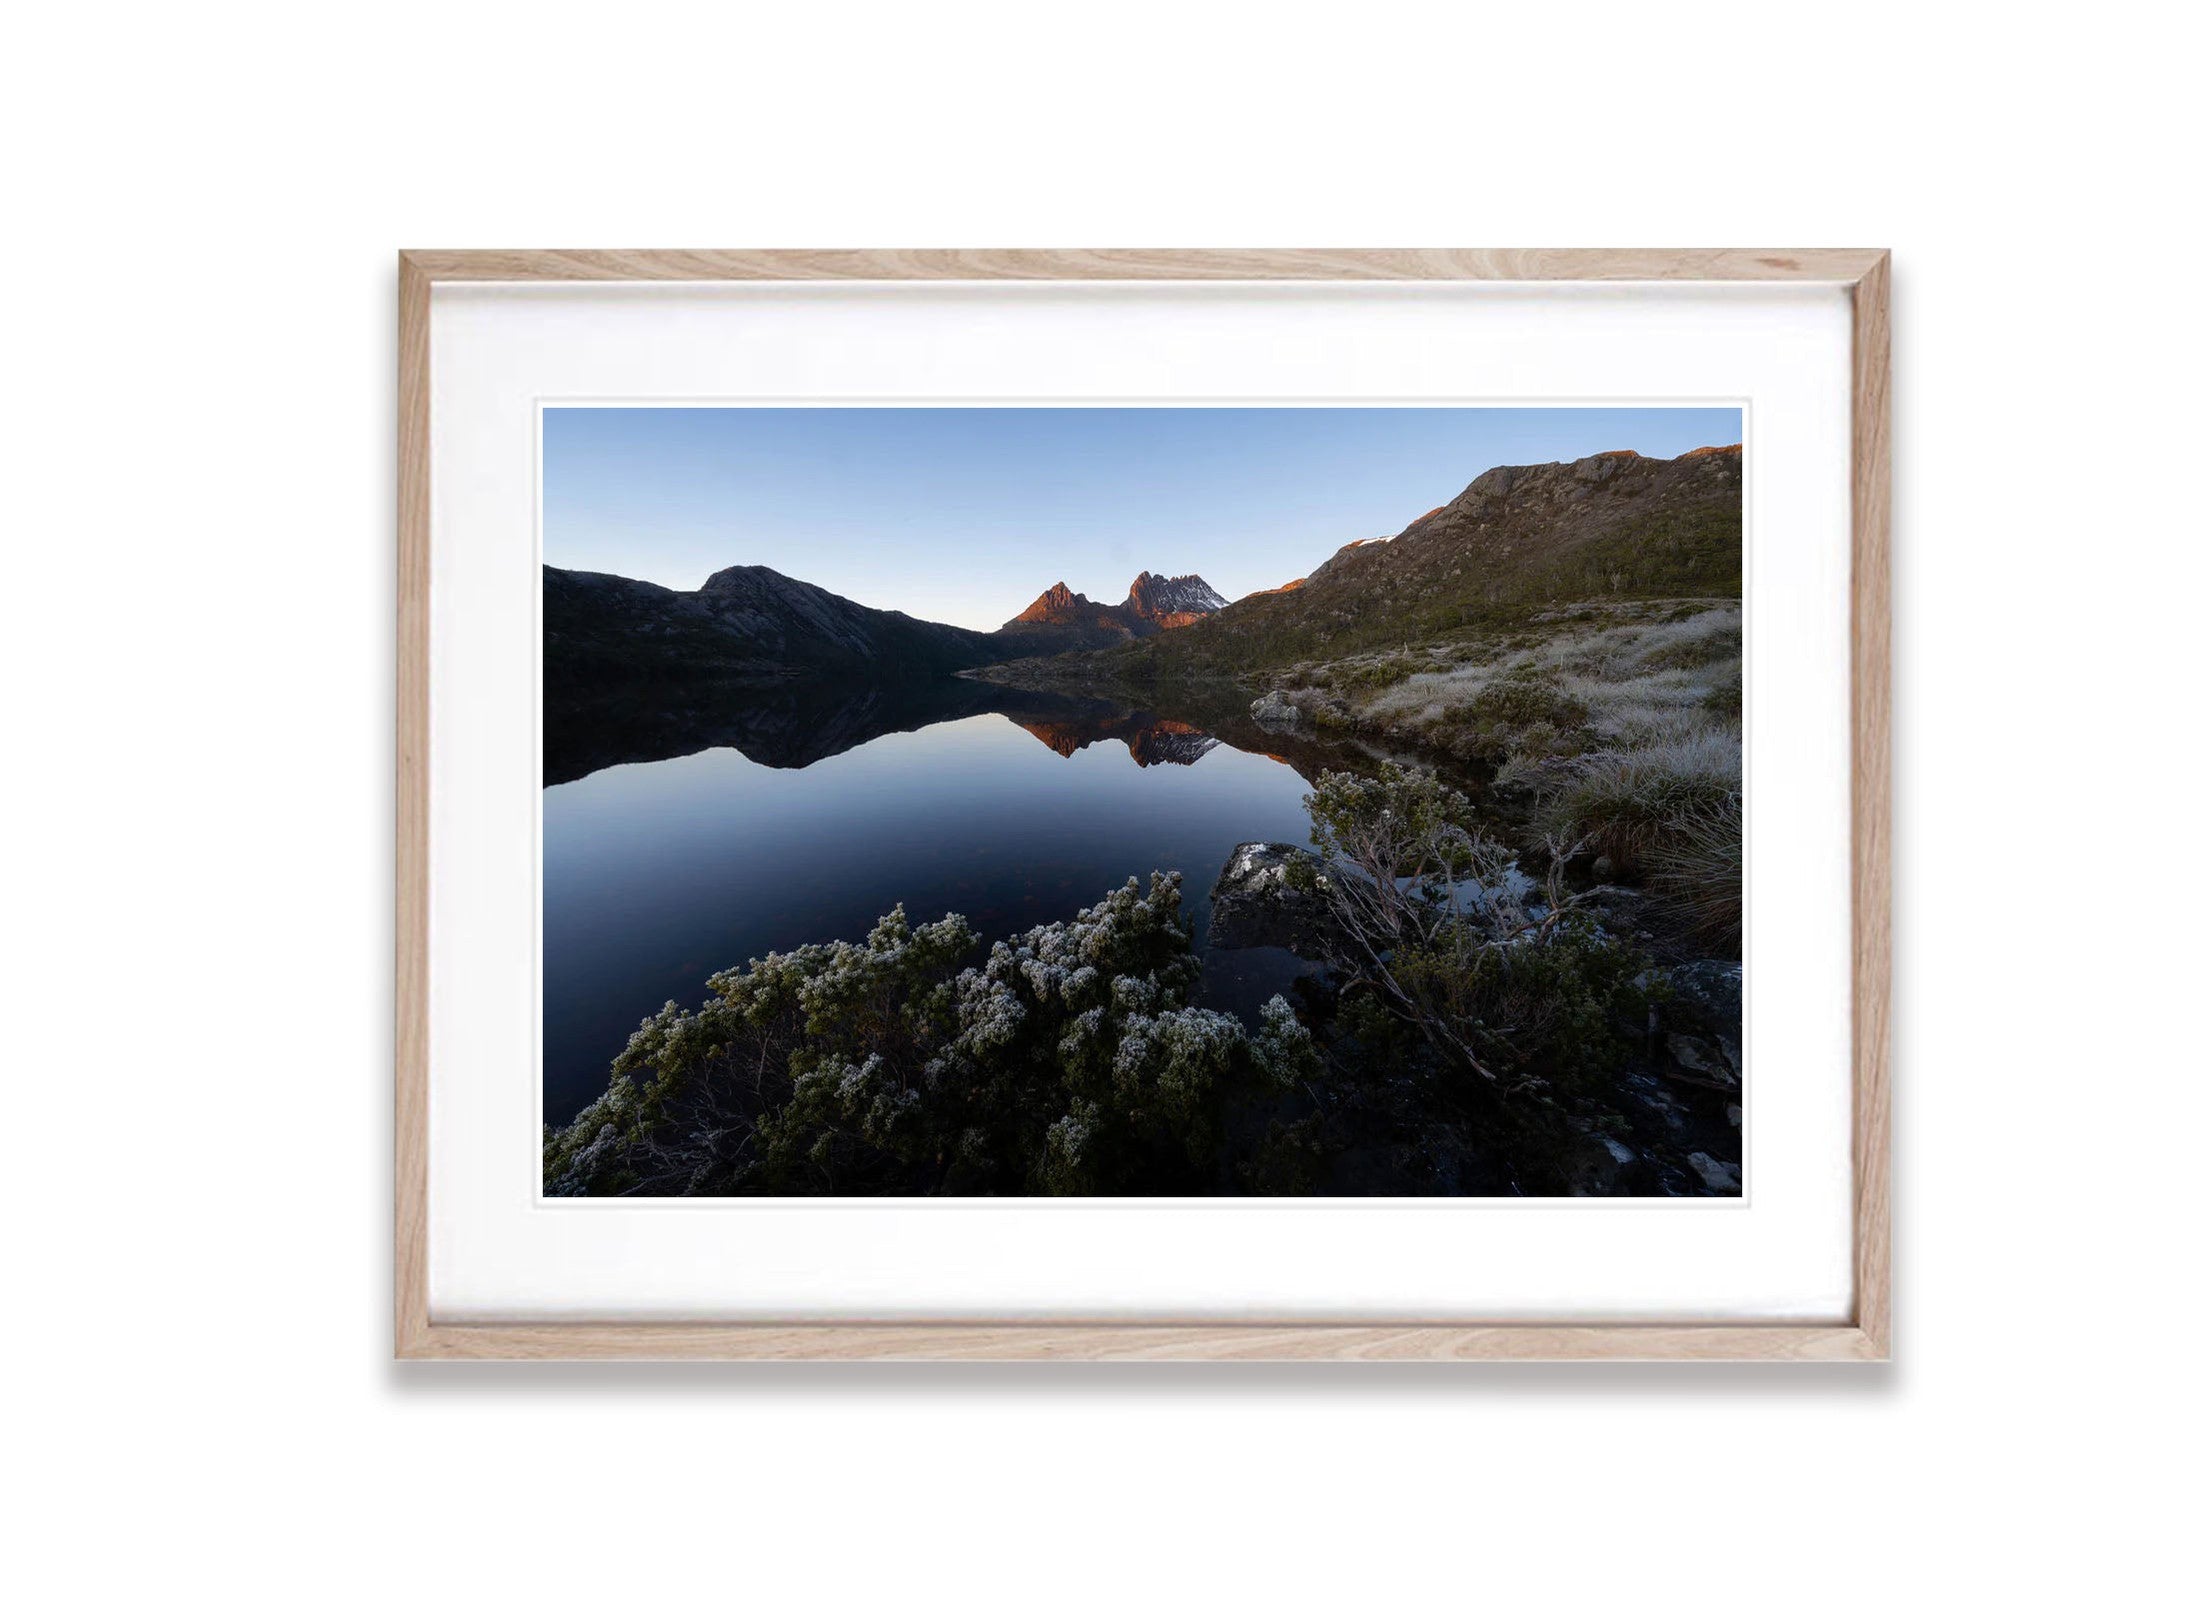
{"points": [[965, 515]]}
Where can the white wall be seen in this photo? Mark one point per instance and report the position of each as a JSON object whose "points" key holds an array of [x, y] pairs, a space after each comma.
{"points": [[197, 648]]}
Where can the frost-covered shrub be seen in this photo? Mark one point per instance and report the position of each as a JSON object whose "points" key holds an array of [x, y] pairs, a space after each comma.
{"points": [[1066, 1061], [1521, 701], [1507, 981], [1518, 716]]}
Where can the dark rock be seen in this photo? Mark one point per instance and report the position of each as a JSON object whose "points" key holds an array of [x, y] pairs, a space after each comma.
{"points": [[1598, 1166], [1665, 1124], [1719, 1177], [1254, 904], [1706, 999], [1650, 1108], [1706, 1062], [1701, 1025]]}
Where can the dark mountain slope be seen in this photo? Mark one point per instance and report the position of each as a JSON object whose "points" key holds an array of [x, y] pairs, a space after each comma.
{"points": [[601, 632]]}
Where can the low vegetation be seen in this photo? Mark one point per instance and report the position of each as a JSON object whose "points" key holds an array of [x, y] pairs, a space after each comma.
{"points": [[1617, 723], [1508, 980], [1064, 1061], [1617, 675]]}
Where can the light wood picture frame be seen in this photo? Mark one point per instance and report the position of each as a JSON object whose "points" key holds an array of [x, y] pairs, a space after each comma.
{"points": [[1863, 1335]]}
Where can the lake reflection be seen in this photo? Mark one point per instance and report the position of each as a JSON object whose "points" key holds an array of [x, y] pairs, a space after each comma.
{"points": [[760, 819]]}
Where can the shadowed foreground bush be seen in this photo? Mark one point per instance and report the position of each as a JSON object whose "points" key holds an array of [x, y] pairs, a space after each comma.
{"points": [[1506, 981], [1067, 1063]]}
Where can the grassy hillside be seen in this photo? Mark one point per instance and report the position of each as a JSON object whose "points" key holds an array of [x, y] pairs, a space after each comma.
{"points": [[1518, 541]]}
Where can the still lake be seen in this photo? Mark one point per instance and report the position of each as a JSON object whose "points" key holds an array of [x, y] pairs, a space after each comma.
{"points": [[1014, 809]]}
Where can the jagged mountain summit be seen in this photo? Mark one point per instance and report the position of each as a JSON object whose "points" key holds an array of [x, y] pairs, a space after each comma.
{"points": [[1172, 601], [1070, 620]]}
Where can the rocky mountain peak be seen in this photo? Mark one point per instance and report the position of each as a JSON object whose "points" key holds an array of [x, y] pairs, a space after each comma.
{"points": [[1153, 596], [1056, 604]]}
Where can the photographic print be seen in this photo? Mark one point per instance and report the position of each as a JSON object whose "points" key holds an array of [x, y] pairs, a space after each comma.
{"points": [[1109, 802]]}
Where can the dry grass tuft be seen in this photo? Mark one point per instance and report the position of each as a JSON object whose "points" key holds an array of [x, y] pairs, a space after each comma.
{"points": [[1624, 802], [1695, 863]]}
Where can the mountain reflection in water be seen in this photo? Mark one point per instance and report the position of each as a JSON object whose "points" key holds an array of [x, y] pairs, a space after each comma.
{"points": [[683, 834], [795, 723]]}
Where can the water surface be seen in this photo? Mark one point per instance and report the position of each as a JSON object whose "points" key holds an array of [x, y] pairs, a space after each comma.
{"points": [[679, 840]]}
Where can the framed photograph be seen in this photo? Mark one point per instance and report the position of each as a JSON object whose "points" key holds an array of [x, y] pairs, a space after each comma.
{"points": [[1251, 804]]}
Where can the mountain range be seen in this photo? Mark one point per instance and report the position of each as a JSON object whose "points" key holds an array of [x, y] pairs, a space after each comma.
{"points": [[603, 632], [1515, 540]]}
